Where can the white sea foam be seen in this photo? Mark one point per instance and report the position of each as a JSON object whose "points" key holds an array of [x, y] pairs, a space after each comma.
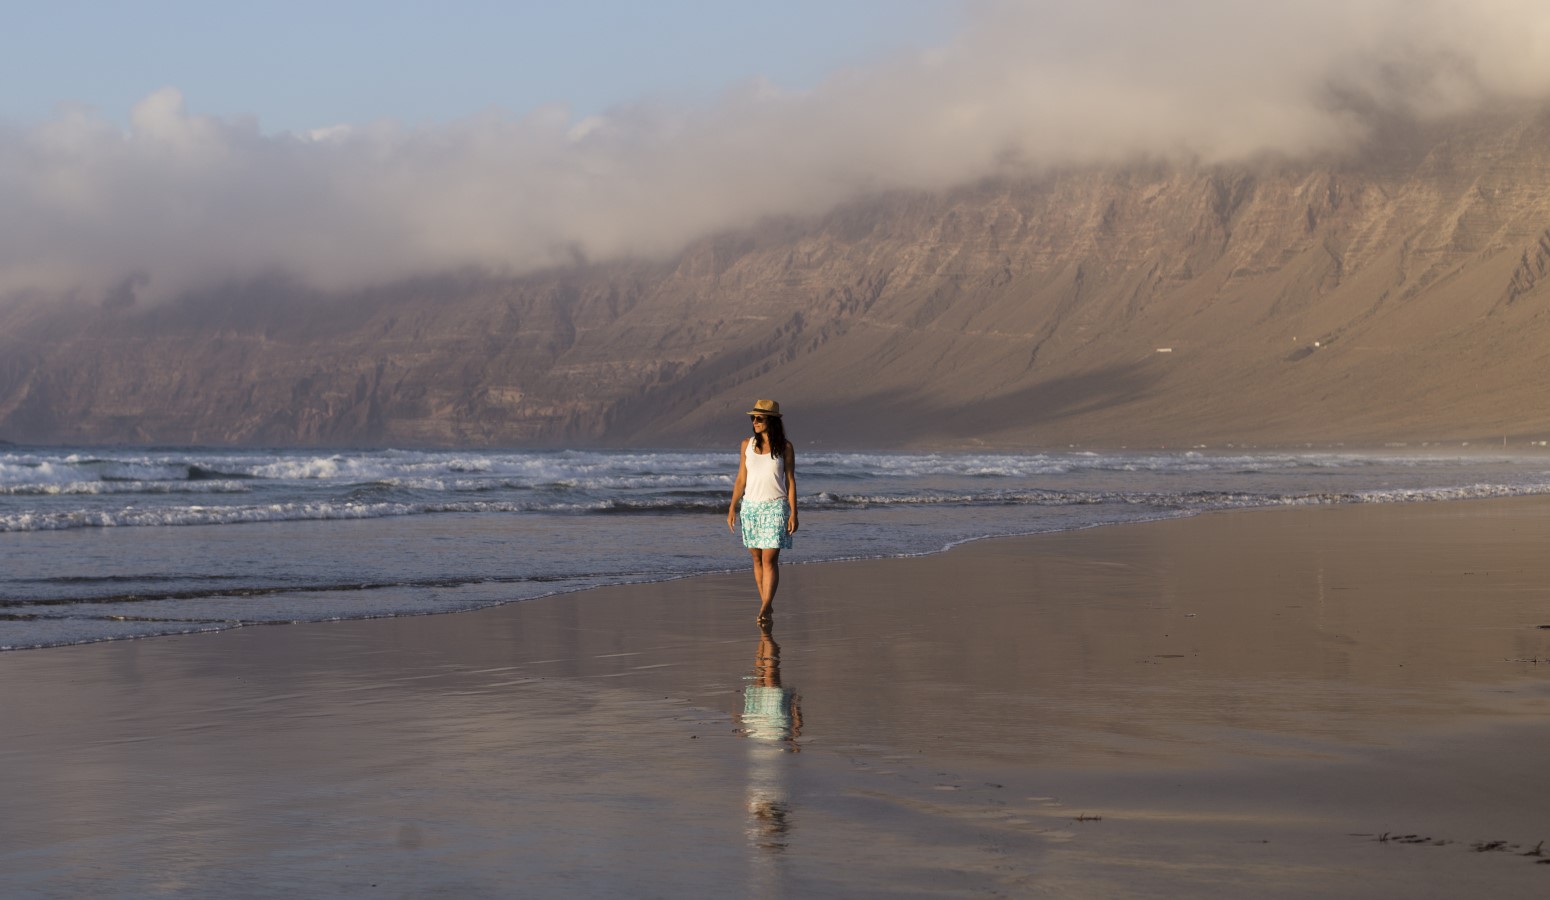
{"points": [[465, 471], [235, 515], [1026, 465], [645, 481]]}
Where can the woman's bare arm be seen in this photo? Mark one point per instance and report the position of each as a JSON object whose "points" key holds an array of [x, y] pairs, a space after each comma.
{"points": [[737, 486], [791, 486]]}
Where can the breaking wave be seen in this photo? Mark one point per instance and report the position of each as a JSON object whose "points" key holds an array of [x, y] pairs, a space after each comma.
{"points": [[478, 528], [123, 487], [694, 504]]}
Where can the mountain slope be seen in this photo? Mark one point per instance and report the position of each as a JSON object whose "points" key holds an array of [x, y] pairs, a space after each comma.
{"points": [[1400, 295]]}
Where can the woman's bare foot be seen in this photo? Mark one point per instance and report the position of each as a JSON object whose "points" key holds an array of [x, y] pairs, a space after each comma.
{"points": [[766, 614]]}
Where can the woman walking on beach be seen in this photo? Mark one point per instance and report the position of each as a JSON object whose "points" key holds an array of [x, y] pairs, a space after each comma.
{"points": [[767, 486]]}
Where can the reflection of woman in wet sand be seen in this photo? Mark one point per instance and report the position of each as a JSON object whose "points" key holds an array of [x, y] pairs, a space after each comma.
{"points": [[770, 711], [772, 718], [767, 486]]}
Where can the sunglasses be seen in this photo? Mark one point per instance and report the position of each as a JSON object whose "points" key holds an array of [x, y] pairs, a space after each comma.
{"points": [[759, 418]]}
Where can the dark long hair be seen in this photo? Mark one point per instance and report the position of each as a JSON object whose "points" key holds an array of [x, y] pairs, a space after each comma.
{"points": [[776, 433]]}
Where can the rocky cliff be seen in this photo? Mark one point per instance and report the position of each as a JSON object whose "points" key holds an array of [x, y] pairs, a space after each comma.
{"points": [[1399, 294]]}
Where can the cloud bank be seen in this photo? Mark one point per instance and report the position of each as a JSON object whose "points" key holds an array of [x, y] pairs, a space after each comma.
{"points": [[180, 200]]}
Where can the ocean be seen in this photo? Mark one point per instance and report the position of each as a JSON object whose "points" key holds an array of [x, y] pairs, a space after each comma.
{"points": [[102, 544]]}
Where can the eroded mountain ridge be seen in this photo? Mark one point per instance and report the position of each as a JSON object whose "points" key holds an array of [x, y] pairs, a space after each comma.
{"points": [[1395, 295]]}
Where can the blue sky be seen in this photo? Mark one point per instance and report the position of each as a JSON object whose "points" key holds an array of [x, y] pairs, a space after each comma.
{"points": [[302, 65]]}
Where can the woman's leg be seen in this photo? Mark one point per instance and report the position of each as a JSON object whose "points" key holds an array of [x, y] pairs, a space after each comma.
{"points": [[768, 562], [758, 569]]}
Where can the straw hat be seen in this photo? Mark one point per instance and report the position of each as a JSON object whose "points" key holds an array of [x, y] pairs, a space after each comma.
{"points": [[765, 408]]}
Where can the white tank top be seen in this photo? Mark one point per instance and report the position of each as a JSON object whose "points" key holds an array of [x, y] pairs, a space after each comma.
{"points": [[766, 476]]}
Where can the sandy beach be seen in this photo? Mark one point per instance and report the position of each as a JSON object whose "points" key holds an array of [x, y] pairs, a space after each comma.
{"points": [[1348, 701]]}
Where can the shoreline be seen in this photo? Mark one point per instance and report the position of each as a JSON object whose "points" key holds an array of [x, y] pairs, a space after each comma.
{"points": [[1502, 494], [1230, 701]]}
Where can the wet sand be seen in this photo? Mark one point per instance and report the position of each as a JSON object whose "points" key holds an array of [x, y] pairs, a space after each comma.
{"points": [[1334, 702]]}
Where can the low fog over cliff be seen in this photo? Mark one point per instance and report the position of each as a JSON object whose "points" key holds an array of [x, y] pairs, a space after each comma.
{"points": [[185, 200], [1400, 296], [1116, 224]]}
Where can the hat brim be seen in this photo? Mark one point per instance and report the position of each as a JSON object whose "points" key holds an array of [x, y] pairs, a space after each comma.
{"points": [[763, 412]]}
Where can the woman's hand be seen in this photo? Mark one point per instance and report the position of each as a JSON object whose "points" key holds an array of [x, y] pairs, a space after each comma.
{"points": [[732, 520], [791, 523]]}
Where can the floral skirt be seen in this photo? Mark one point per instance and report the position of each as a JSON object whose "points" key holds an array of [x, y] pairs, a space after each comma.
{"points": [[764, 524]]}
